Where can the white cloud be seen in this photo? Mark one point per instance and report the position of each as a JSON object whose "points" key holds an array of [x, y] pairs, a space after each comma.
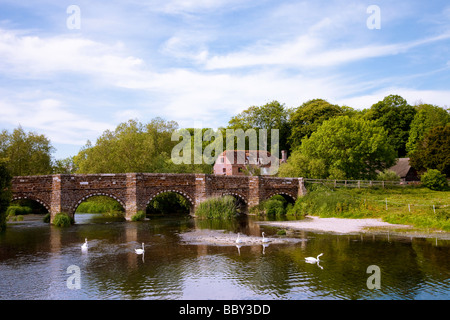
{"points": [[49, 116]]}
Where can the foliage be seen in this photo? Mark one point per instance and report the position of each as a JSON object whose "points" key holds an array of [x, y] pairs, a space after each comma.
{"points": [[139, 216], [307, 118], [5, 194], [427, 117], [168, 202], [26, 153], [62, 220], [15, 210], [434, 180], [395, 115], [341, 148], [217, 208], [101, 204], [46, 218], [388, 175], [272, 115], [433, 151], [65, 166]]}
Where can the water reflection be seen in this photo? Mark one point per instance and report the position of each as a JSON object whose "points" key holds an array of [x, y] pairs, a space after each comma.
{"points": [[34, 258]]}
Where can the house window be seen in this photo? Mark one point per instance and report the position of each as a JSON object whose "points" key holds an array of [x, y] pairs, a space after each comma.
{"points": [[224, 170], [221, 160]]}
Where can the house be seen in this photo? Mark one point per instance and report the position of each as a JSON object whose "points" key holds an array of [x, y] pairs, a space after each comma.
{"points": [[404, 170], [244, 162]]}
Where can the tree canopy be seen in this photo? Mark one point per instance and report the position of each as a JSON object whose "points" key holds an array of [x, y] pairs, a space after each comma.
{"points": [[395, 115], [433, 151], [342, 148], [26, 153]]}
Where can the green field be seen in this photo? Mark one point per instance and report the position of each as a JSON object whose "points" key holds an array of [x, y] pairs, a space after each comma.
{"points": [[400, 205]]}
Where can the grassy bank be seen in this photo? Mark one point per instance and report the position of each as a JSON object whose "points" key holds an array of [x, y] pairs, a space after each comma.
{"points": [[401, 205]]}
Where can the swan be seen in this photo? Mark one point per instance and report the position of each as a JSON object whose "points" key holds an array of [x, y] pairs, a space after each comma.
{"points": [[140, 251], [84, 245], [238, 240], [264, 239], [312, 259]]}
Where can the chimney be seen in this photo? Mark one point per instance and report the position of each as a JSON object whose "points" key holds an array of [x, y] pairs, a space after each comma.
{"points": [[283, 156]]}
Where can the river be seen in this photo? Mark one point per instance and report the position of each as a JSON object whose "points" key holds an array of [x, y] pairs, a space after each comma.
{"points": [[39, 261]]}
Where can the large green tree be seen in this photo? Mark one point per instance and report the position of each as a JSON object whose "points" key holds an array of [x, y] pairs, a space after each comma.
{"points": [[395, 115], [342, 148], [427, 117], [433, 151], [26, 153], [272, 115], [131, 147], [307, 118]]}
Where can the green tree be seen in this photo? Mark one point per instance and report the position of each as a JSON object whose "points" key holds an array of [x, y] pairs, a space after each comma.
{"points": [[310, 115], [272, 115], [131, 147], [26, 153], [5, 193], [427, 117], [342, 148], [395, 115], [433, 151], [434, 180], [65, 166]]}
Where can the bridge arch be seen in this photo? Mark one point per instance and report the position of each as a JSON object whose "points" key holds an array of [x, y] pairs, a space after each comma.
{"points": [[94, 194], [182, 193], [288, 196], [241, 201], [33, 198]]}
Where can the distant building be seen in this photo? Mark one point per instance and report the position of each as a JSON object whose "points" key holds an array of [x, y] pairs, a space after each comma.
{"points": [[404, 170], [239, 162]]}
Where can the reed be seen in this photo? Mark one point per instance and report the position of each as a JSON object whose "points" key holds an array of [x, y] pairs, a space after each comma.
{"points": [[217, 208]]}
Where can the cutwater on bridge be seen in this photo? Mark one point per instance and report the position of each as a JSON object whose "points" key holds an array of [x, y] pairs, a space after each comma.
{"points": [[134, 191]]}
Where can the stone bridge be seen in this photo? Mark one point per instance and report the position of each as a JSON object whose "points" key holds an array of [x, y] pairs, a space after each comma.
{"points": [[134, 191]]}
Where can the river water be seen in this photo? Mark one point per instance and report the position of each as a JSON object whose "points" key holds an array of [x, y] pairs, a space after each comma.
{"points": [[39, 261]]}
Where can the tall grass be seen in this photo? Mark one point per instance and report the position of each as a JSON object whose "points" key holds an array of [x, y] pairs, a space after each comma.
{"points": [[217, 208]]}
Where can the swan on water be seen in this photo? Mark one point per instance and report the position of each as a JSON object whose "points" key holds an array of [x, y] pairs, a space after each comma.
{"points": [[140, 251], [264, 239], [238, 240], [312, 259], [85, 245]]}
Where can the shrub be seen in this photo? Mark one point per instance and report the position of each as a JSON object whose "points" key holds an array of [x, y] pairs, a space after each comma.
{"points": [[274, 207], [62, 220], [388, 175], [46, 218], [217, 208], [139, 216], [434, 180], [15, 210]]}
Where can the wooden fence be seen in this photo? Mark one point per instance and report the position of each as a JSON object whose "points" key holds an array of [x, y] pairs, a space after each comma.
{"points": [[359, 183]]}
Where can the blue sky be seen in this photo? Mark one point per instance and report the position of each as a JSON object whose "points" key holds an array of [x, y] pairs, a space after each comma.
{"points": [[202, 62]]}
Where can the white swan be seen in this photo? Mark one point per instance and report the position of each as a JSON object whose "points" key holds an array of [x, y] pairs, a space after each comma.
{"points": [[312, 259], [140, 251], [264, 239], [84, 246], [239, 240]]}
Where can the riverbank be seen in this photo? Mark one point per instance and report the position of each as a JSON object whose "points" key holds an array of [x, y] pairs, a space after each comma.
{"points": [[416, 206], [354, 226]]}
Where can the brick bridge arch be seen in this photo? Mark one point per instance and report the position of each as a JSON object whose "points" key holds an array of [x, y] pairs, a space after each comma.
{"points": [[64, 192]]}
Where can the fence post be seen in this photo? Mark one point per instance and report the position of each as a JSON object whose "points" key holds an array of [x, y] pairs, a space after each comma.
{"points": [[386, 203], [359, 184]]}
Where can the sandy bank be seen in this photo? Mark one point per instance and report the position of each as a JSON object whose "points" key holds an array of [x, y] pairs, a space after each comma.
{"points": [[335, 225]]}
